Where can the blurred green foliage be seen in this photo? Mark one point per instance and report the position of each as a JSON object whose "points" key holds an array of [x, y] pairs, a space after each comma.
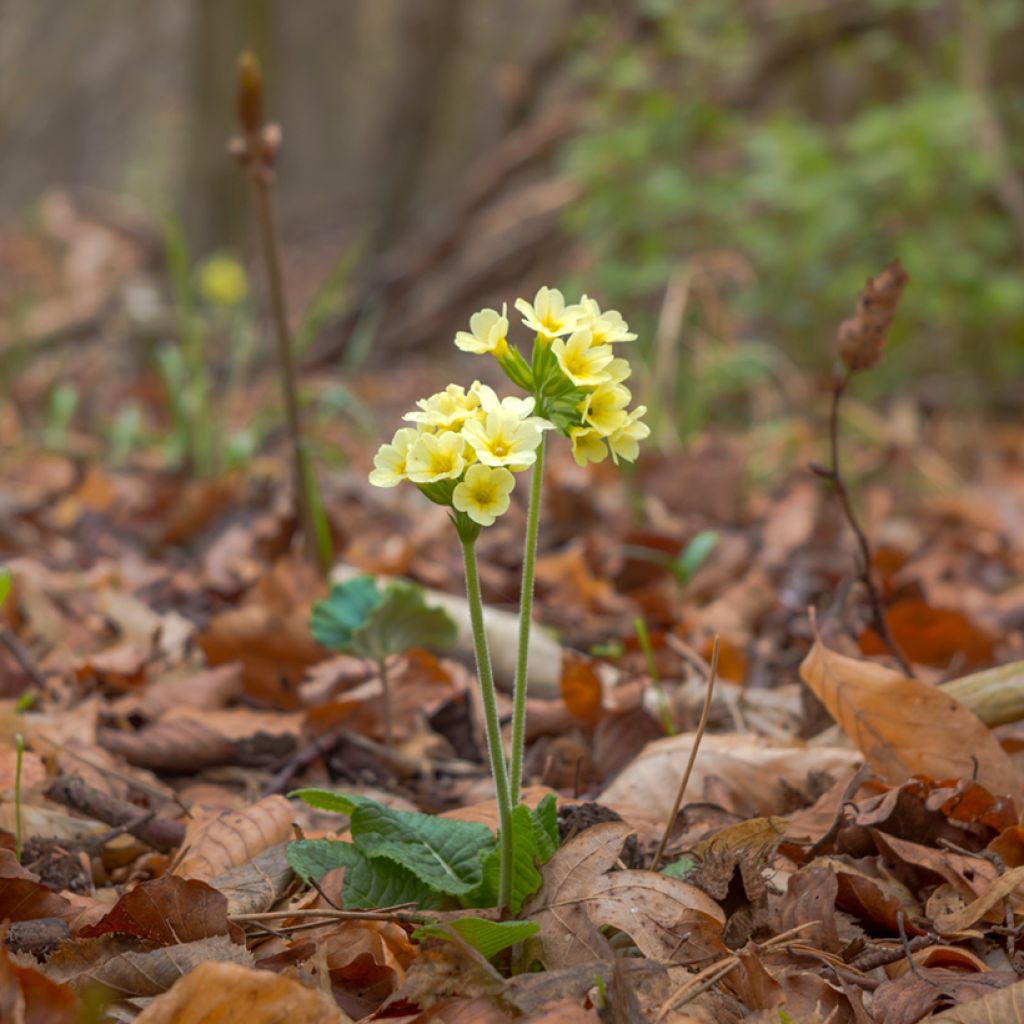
{"points": [[810, 151]]}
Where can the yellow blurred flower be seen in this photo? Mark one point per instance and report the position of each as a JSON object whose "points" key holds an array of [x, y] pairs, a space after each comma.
{"points": [[587, 445], [605, 408], [548, 315], [436, 457], [222, 281], [584, 364], [484, 493], [390, 460], [488, 333], [625, 442]]}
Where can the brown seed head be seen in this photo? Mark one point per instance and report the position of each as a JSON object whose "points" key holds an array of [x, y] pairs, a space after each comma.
{"points": [[862, 337], [250, 93]]}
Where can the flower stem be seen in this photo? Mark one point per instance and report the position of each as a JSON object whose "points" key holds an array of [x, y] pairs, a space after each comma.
{"points": [[525, 621], [495, 747]]}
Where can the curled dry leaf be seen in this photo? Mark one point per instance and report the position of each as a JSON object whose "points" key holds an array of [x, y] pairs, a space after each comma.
{"points": [[904, 727], [216, 845], [177, 745], [579, 895], [28, 997], [132, 969], [862, 337], [1004, 1006], [253, 887], [754, 774], [234, 994]]}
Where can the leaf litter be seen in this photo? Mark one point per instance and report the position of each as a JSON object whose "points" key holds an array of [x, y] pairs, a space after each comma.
{"points": [[157, 660]]}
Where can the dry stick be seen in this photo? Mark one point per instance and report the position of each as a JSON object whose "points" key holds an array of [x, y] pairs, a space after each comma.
{"points": [[840, 379], [704, 715], [21, 655]]}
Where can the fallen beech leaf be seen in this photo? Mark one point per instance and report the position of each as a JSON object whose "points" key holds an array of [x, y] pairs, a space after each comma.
{"points": [[948, 924], [913, 997], [177, 745], [931, 636], [229, 993], [228, 840], [904, 727], [757, 776], [1004, 1006], [578, 896], [137, 971], [22, 899], [29, 997], [167, 911], [253, 887], [581, 686]]}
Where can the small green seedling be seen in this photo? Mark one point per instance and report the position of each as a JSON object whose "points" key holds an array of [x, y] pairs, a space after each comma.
{"points": [[397, 857], [644, 640], [357, 618], [686, 563]]}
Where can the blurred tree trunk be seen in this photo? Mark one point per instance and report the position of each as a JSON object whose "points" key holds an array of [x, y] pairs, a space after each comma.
{"points": [[215, 191], [429, 39]]}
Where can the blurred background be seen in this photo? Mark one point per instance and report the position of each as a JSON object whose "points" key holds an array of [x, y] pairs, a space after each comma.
{"points": [[726, 172]]}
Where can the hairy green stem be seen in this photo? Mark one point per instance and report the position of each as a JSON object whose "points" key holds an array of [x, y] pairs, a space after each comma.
{"points": [[525, 622], [495, 747]]}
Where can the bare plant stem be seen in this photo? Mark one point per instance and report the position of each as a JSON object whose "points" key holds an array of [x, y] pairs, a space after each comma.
{"points": [[525, 624], [833, 472], [19, 745], [704, 715], [495, 746], [307, 494]]}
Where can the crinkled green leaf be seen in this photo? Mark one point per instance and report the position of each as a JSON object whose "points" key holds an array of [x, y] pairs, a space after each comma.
{"points": [[346, 609], [445, 854], [531, 846], [487, 937], [311, 859], [5, 584], [400, 621]]}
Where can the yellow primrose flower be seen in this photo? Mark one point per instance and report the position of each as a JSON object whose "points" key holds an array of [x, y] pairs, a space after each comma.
{"points": [[391, 458], [434, 457], [484, 493], [489, 402], [222, 281], [488, 333], [625, 442], [548, 315], [605, 408], [618, 370], [606, 327], [582, 363], [503, 439], [587, 445], [447, 410]]}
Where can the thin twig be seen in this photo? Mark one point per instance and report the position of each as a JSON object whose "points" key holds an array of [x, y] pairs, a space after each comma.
{"points": [[704, 715], [833, 472], [21, 655]]}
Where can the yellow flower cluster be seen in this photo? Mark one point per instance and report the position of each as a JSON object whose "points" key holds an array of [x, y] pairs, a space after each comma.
{"points": [[463, 449], [465, 445], [575, 372]]}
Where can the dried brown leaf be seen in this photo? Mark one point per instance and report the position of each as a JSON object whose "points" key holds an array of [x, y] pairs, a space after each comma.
{"points": [[231, 839], [862, 337], [578, 896], [175, 745], [903, 726], [1005, 1006], [231, 993], [29, 997]]}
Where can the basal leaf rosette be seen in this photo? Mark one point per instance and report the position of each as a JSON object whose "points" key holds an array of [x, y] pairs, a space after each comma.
{"points": [[574, 373], [464, 448]]}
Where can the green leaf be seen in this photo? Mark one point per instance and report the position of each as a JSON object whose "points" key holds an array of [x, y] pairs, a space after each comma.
{"points": [[400, 621], [447, 855], [311, 859], [347, 608], [681, 868], [695, 554], [487, 937], [327, 800], [5, 584], [534, 840]]}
